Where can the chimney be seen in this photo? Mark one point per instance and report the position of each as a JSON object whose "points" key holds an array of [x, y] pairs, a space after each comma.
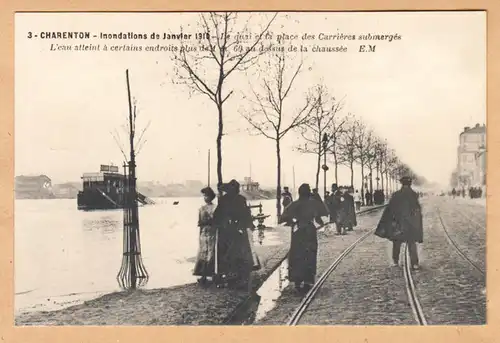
{"points": [[477, 125], [466, 128]]}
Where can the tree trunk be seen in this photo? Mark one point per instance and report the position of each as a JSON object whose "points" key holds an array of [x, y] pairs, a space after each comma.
{"points": [[318, 166], [387, 183], [351, 165], [336, 166], [382, 180], [278, 179], [371, 180], [363, 182], [219, 149]]}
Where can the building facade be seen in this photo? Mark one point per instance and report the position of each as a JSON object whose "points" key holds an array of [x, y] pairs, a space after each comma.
{"points": [[33, 187], [471, 157]]}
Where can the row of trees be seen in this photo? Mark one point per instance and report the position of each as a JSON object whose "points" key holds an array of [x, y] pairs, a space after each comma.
{"points": [[269, 107]]}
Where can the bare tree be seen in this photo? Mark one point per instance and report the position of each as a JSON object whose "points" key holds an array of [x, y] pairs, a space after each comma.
{"points": [[223, 48], [324, 120], [362, 144], [347, 144], [392, 162], [337, 130], [267, 115], [370, 154], [382, 151]]}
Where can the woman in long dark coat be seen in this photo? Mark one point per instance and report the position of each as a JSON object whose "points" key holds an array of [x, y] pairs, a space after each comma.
{"points": [[401, 222], [233, 219], [300, 215], [205, 260]]}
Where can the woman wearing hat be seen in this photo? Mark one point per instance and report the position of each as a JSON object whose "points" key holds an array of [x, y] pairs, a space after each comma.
{"points": [[401, 222], [205, 260], [233, 219], [300, 215]]}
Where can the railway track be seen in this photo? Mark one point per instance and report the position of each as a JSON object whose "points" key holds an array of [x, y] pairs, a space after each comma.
{"points": [[239, 312], [309, 297], [410, 286], [455, 245], [413, 299], [418, 313]]}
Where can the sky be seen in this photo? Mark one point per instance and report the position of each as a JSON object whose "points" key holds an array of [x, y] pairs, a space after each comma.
{"points": [[418, 93]]}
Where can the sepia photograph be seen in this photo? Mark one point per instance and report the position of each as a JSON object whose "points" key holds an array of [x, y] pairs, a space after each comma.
{"points": [[250, 168]]}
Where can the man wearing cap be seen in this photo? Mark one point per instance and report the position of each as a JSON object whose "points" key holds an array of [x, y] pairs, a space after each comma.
{"points": [[401, 222], [287, 197]]}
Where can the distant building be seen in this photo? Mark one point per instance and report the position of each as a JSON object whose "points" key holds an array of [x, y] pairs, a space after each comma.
{"points": [[471, 157], [33, 187], [68, 190]]}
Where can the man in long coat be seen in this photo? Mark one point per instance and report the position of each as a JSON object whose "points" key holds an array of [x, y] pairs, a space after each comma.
{"points": [[350, 211], [401, 222], [332, 203]]}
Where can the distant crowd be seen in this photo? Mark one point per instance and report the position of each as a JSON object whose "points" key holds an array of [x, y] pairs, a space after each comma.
{"points": [[473, 192]]}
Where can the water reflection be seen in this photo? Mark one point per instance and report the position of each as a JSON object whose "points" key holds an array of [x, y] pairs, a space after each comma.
{"points": [[60, 251], [104, 224], [271, 290]]}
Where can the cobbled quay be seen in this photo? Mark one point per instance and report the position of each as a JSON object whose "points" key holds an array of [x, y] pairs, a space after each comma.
{"points": [[365, 289]]}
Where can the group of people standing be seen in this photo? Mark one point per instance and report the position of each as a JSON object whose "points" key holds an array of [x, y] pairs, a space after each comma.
{"points": [[226, 253]]}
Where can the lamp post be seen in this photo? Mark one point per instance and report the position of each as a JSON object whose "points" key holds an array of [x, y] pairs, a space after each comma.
{"points": [[325, 167]]}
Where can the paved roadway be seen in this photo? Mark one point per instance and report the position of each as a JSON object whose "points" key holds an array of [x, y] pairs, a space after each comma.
{"points": [[365, 289]]}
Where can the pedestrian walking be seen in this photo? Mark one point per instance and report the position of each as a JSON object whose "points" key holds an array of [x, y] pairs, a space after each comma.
{"points": [[368, 198], [350, 218], [302, 257], [357, 200], [332, 204], [342, 212], [205, 259], [401, 222], [233, 219]]}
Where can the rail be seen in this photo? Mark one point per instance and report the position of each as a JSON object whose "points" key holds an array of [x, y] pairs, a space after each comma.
{"points": [[295, 318], [244, 303], [457, 248], [411, 291], [410, 285]]}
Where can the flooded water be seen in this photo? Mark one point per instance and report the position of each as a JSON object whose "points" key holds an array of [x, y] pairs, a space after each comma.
{"points": [[64, 256]]}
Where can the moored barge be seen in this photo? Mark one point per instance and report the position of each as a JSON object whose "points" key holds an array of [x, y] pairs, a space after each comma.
{"points": [[104, 190]]}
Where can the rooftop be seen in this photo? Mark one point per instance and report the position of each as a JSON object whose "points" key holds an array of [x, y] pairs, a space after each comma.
{"points": [[476, 129]]}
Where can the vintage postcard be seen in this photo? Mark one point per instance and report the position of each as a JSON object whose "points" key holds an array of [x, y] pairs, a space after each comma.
{"points": [[250, 168]]}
